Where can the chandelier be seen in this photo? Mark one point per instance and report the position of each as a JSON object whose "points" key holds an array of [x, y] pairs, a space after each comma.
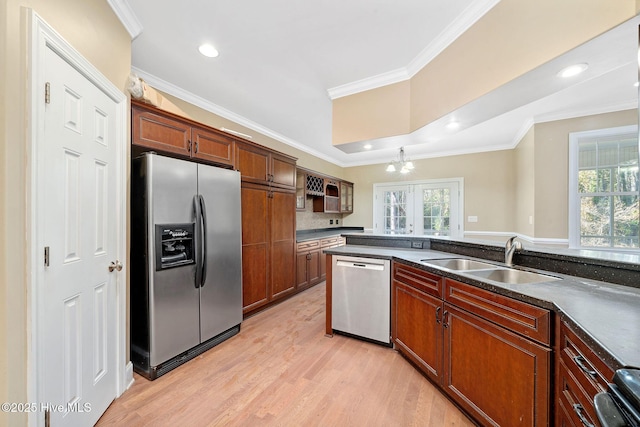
{"points": [[403, 164]]}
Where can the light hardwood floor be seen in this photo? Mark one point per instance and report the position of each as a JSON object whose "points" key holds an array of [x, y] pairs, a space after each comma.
{"points": [[281, 370]]}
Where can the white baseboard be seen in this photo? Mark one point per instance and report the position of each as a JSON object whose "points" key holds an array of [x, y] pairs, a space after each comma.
{"points": [[128, 375]]}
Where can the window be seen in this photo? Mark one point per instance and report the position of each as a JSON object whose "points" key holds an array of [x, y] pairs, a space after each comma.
{"points": [[425, 208], [603, 205]]}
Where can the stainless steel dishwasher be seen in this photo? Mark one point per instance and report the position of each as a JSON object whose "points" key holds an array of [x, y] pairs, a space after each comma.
{"points": [[361, 298]]}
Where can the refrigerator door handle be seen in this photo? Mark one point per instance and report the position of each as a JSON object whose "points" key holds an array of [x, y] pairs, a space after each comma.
{"points": [[203, 218], [198, 241]]}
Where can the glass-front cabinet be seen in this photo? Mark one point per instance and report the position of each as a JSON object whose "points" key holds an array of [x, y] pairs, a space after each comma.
{"points": [[301, 189], [346, 197]]}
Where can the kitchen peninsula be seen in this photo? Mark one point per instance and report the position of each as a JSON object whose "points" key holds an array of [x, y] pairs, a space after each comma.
{"points": [[544, 347]]}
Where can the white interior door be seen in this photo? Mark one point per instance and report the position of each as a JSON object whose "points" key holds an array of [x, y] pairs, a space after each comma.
{"points": [[77, 322]]}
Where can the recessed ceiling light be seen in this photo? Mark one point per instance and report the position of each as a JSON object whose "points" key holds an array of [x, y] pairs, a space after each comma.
{"points": [[208, 50], [367, 146], [453, 125], [573, 70]]}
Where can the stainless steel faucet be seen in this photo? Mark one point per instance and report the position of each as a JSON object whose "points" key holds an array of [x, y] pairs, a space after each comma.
{"points": [[510, 248]]}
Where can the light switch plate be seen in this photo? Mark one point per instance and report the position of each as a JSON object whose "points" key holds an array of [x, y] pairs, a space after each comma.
{"points": [[472, 218]]}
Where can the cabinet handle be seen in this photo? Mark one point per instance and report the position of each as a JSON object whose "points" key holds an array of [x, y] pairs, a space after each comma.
{"points": [[577, 408], [195, 148], [582, 363], [308, 256], [188, 146], [438, 310], [445, 316]]}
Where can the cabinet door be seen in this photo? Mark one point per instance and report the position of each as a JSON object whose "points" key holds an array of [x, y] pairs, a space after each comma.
{"points": [[346, 197], [315, 267], [497, 376], [252, 163], [255, 247], [302, 269], [160, 133], [211, 146], [283, 242], [417, 328], [283, 171]]}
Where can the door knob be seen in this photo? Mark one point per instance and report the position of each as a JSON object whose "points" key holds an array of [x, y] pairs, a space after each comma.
{"points": [[115, 266]]}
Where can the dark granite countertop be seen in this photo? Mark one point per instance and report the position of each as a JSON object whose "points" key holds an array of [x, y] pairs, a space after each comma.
{"points": [[321, 233], [607, 315]]}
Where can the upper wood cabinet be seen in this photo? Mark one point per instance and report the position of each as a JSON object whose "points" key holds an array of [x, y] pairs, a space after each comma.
{"points": [[263, 166], [346, 197], [168, 134]]}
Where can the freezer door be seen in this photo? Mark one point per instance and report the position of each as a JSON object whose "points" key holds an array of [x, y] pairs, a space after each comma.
{"points": [[173, 296], [221, 293]]}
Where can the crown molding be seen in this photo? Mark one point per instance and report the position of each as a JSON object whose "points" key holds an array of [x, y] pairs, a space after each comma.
{"points": [[611, 108], [127, 17], [468, 17], [171, 89]]}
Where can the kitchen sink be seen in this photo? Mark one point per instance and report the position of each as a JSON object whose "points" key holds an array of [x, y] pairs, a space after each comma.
{"points": [[457, 264], [512, 276]]}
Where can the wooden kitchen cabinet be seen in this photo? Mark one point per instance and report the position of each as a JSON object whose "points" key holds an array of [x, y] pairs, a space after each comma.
{"points": [[497, 376], [308, 265], [580, 375], [268, 245], [346, 197], [263, 166], [169, 134], [330, 202], [416, 318], [490, 353], [311, 266]]}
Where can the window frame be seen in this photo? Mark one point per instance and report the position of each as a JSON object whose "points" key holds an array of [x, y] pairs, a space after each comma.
{"points": [[574, 222], [412, 187]]}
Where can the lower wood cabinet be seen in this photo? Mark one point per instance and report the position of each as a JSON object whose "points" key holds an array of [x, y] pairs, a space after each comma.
{"points": [[498, 375], [580, 375], [308, 264], [311, 266]]}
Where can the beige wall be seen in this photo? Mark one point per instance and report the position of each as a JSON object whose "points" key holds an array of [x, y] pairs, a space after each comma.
{"points": [[93, 29], [511, 39], [486, 195], [372, 114], [552, 164], [524, 194], [502, 188]]}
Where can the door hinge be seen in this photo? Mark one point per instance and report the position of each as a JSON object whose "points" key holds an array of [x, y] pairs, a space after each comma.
{"points": [[47, 93], [47, 418], [46, 256]]}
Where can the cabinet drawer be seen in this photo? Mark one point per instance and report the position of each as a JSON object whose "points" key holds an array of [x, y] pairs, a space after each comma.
{"points": [[587, 368], [520, 317], [419, 279], [329, 241], [575, 403], [308, 246]]}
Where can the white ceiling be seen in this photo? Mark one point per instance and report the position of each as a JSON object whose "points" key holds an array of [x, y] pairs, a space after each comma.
{"points": [[279, 61]]}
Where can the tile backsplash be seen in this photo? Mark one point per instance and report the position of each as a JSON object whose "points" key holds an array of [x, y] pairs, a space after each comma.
{"points": [[309, 220]]}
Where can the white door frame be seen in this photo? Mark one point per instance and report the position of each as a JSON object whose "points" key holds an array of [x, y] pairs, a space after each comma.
{"points": [[412, 184], [41, 37]]}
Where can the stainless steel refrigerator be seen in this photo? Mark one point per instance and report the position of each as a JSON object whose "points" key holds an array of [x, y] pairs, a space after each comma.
{"points": [[186, 261]]}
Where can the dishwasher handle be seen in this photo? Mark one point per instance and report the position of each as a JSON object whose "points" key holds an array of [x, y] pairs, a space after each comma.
{"points": [[358, 264]]}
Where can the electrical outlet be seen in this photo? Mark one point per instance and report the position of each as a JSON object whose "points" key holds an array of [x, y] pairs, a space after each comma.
{"points": [[337, 221], [330, 221], [416, 245]]}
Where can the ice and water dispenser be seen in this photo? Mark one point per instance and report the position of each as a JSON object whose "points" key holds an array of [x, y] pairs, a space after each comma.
{"points": [[174, 245]]}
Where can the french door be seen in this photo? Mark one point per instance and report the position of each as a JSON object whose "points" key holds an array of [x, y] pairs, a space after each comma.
{"points": [[422, 208]]}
